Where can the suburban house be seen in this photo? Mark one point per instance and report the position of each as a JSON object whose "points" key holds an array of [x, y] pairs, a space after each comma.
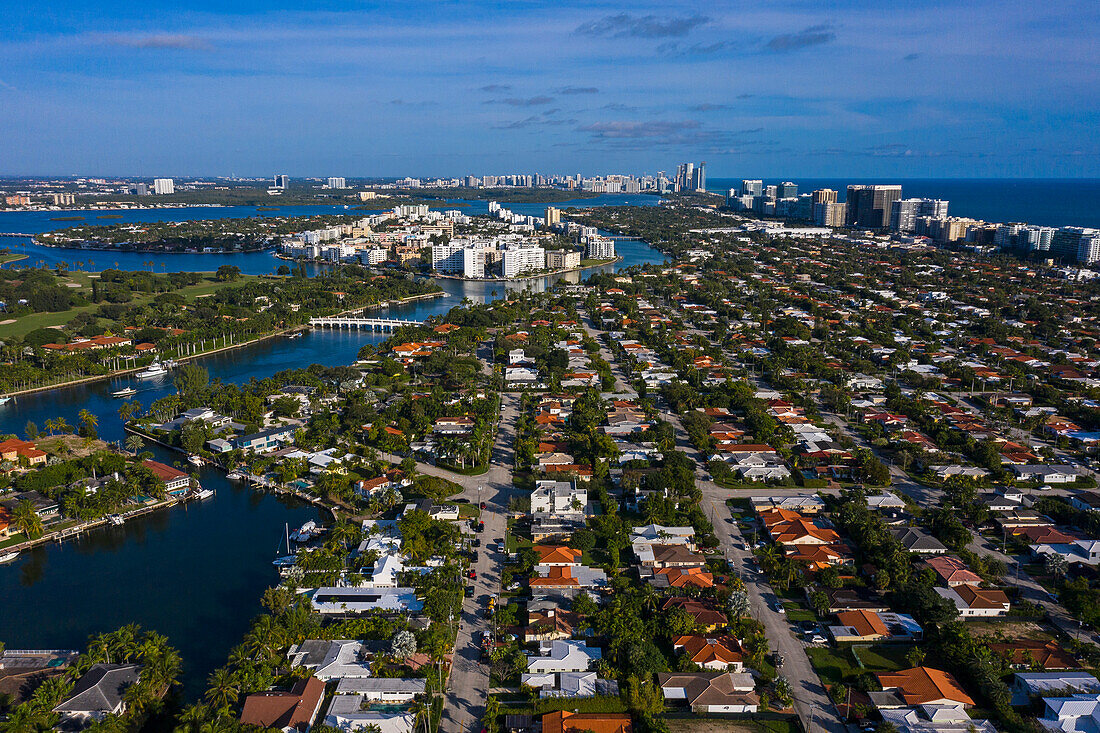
{"points": [[1079, 712], [292, 709], [331, 660], [558, 498], [1026, 653], [918, 686], [569, 684], [550, 624], [385, 690], [711, 692], [721, 653], [1078, 552], [18, 452], [350, 601], [565, 721], [563, 656], [1027, 686], [706, 614], [99, 693], [918, 541], [952, 571], [863, 625], [973, 602]]}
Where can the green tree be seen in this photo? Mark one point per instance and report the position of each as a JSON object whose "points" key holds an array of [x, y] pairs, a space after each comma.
{"points": [[26, 519]]}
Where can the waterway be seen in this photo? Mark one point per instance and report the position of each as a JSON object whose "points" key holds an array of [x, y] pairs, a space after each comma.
{"points": [[194, 573]]}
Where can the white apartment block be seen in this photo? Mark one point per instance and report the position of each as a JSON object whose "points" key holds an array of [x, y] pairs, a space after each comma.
{"points": [[560, 260], [601, 248], [163, 186], [523, 259]]}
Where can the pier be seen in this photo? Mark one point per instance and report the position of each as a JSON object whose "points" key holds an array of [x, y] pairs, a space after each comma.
{"points": [[374, 324]]}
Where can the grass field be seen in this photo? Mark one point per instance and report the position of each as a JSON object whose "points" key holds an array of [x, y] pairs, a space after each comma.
{"points": [[25, 324], [835, 665]]}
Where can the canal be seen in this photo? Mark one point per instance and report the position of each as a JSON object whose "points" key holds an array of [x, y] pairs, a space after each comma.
{"points": [[193, 573]]}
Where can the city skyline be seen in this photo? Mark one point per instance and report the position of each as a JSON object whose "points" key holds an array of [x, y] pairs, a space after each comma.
{"points": [[931, 90]]}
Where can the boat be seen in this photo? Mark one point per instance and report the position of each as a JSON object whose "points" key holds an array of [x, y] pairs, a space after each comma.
{"points": [[235, 476], [156, 369], [8, 557], [295, 335], [306, 532], [195, 460], [124, 392], [5, 400], [204, 493], [116, 519]]}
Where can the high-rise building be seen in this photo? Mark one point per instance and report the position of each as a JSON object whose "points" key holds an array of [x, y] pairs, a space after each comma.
{"points": [[336, 183], [830, 213], [752, 188], [1076, 244], [699, 182], [553, 216], [63, 199], [904, 212], [600, 248], [869, 206], [520, 260], [281, 181], [788, 190], [163, 186], [824, 196]]}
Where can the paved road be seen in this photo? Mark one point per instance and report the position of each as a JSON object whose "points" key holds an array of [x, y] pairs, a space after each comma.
{"points": [[468, 685], [811, 701]]}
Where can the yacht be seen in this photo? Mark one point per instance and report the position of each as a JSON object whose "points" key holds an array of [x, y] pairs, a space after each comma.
{"points": [[8, 557], [195, 460], [306, 532], [6, 400], [116, 519], [235, 476], [124, 392], [204, 493], [156, 369]]}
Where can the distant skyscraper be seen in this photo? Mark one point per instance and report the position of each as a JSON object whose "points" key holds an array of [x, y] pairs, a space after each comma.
{"points": [[870, 206], [752, 188], [553, 216], [824, 196], [281, 181], [1076, 244], [700, 180], [904, 212], [830, 213], [337, 183], [788, 190], [163, 186]]}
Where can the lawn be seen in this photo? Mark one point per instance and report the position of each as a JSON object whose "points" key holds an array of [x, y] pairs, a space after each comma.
{"points": [[838, 664], [32, 321]]}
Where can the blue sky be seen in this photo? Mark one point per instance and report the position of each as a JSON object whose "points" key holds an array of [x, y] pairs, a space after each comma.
{"points": [[801, 88]]}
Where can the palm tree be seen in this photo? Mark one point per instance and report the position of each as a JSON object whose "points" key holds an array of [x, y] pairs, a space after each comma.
{"points": [[89, 420], [134, 443], [223, 689], [26, 519]]}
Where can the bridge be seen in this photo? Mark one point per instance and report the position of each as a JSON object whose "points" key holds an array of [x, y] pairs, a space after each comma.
{"points": [[374, 324]]}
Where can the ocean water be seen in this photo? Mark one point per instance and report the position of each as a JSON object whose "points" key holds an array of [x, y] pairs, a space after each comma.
{"points": [[1043, 201]]}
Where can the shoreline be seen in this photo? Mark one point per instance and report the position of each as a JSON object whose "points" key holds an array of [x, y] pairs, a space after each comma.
{"points": [[618, 258], [275, 489], [230, 347]]}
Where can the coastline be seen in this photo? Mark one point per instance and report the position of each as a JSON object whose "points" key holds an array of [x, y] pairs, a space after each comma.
{"points": [[230, 347]]}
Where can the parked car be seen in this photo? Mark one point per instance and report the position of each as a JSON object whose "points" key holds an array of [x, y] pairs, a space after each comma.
{"points": [[469, 592], [472, 575], [778, 607]]}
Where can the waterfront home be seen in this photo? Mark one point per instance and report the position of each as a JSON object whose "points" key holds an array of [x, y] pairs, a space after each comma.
{"points": [[711, 692], [22, 453], [175, 481], [329, 601], [332, 660], [97, 694], [289, 710], [385, 690], [44, 506], [204, 415]]}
